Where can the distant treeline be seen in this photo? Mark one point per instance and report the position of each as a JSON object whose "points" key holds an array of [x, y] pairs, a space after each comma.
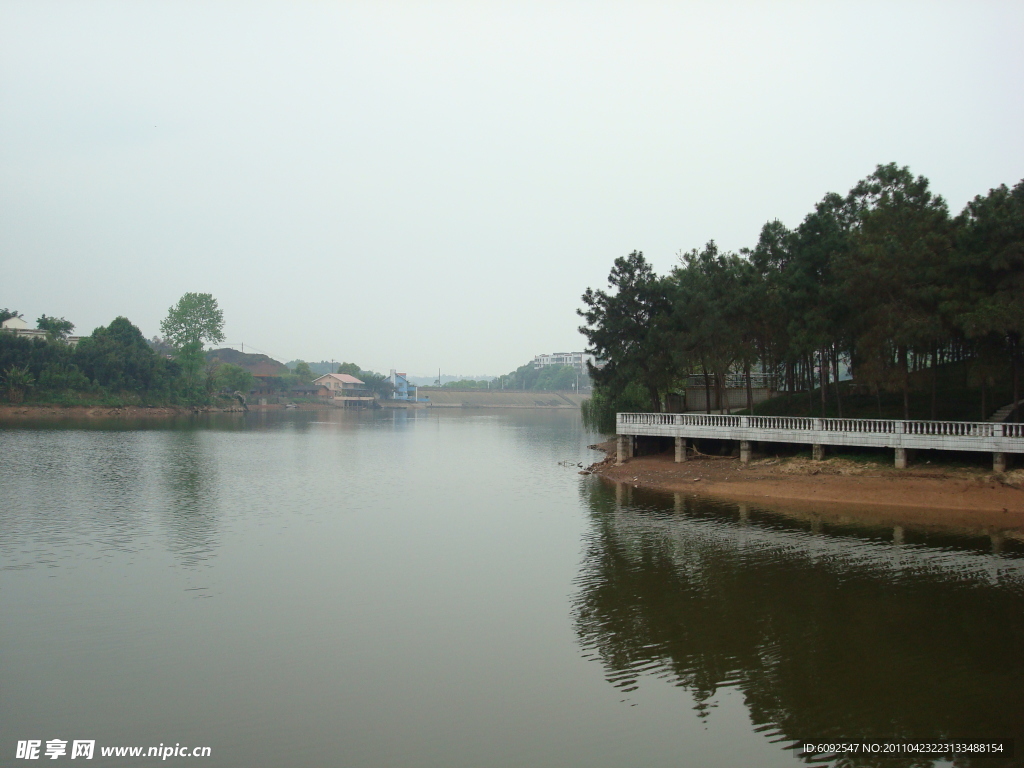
{"points": [[883, 281], [527, 377], [113, 364], [116, 365], [316, 369], [546, 378]]}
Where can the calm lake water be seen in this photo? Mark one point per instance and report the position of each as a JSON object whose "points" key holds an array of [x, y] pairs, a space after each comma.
{"points": [[435, 589]]}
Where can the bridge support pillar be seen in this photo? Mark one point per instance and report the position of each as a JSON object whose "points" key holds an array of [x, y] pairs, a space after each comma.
{"points": [[998, 462], [744, 451], [901, 458], [818, 452], [623, 448], [897, 534], [680, 449]]}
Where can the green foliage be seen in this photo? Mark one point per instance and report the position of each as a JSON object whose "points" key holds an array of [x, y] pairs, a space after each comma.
{"points": [[115, 365], [350, 368], [17, 379], [990, 239], [119, 359], [523, 377], [556, 377], [303, 371], [190, 358], [162, 347], [629, 328], [51, 365], [57, 328], [233, 378], [900, 243], [193, 321], [545, 378], [60, 377], [990, 245], [881, 282], [19, 351], [956, 400], [376, 383], [600, 408], [709, 295], [7, 314]]}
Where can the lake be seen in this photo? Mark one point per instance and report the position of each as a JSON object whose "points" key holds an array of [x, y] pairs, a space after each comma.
{"points": [[443, 588]]}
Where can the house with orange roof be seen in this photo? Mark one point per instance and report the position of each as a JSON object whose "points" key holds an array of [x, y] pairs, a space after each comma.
{"points": [[345, 389]]}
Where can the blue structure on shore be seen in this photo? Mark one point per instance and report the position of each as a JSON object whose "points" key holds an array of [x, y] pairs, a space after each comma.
{"points": [[403, 390]]}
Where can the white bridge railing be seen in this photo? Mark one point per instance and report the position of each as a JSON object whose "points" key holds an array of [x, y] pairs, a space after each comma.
{"points": [[950, 435], [848, 426]]}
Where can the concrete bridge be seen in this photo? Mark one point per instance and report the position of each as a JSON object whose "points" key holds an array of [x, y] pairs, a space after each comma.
{"points": [[997, 439]]}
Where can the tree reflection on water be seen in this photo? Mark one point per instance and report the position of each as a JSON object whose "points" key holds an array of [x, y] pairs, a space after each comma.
{"points": [[190, 477], [827, 637]]}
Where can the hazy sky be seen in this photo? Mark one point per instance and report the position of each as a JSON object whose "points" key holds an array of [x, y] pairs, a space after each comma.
{"points": [[434, 184]]}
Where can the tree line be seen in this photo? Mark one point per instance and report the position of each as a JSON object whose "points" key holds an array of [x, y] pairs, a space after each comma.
{"points": [[116, 364], [378, 384], [530, 378], [883, 282], [544, 378]]}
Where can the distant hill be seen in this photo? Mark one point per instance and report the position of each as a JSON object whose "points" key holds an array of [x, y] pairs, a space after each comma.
{"points": [[257, 365], [318, 369]]}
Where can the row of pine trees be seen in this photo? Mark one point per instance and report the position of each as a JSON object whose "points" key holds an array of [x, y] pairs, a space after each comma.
{"points": [[882, 282]]}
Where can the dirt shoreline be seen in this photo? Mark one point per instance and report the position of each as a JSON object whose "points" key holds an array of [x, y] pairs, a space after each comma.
{"points": [[921, 495], [16, 413]]}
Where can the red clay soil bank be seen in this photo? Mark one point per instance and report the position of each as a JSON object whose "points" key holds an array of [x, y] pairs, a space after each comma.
{"points": [[920, 494], [15, 413]]}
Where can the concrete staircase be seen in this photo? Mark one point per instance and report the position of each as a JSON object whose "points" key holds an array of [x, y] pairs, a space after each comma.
{"points": [[1004, 413]]}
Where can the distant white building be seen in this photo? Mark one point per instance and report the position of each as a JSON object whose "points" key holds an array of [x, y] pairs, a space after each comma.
{"points": [[15, 324], [577, 360], [19, 327]]}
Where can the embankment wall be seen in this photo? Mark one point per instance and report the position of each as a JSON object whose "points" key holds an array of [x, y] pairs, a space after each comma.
{"points": [[483, 398]]}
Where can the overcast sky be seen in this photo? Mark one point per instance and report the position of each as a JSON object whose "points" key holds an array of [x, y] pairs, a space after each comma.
{"points": [[434, 184]]}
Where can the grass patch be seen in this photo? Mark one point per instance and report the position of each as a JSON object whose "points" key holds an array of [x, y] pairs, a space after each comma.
{"points": [[879, 457], [862, 458]]}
